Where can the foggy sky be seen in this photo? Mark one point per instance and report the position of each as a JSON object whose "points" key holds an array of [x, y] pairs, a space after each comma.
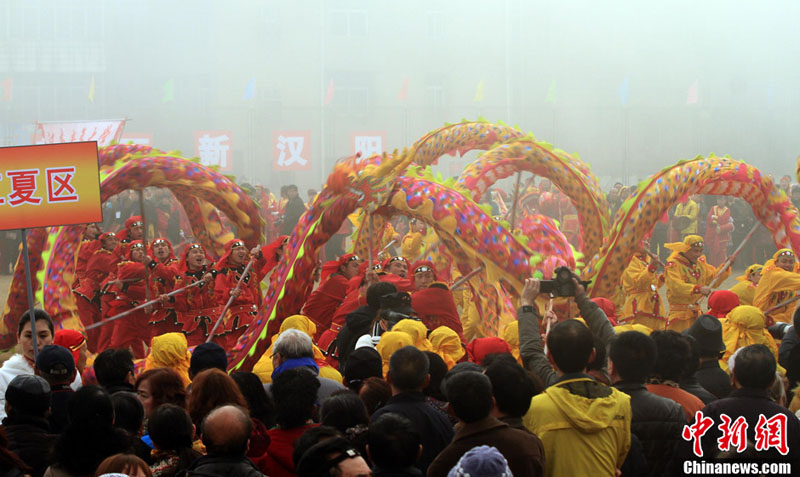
{"points": [[743, 55]]}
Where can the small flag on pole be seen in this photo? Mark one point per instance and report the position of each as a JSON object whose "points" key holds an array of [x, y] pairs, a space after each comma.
{"points": [[623, 92], [551, 93], [250, 89], [329, 93], [479, 92], [169, 91], [694, 93], [403, 96], [6, 84], [91, 90]]}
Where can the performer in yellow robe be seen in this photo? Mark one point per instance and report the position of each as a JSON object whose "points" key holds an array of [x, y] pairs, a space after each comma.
{"points": [[413, 242], [779, 282], [688, 211], [688, 277], [746, 288], [641, 282]]}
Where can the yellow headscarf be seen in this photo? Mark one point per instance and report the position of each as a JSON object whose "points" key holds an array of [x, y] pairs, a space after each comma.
{"points": [[633, 327], [745, 325], [683, 247], [511, 335], [170, 351], [447, 344], [770, 264], [263, 368], [390, 342], [756, 267], [416, 329]]}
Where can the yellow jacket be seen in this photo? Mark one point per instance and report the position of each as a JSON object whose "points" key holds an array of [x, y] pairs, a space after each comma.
{"points": [[411, 246], [585, 426], [690, 210], [776, 285], [685, 279], [746, 292], [641, 299]]}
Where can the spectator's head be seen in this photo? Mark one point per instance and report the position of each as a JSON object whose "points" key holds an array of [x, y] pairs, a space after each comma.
{"points": [[481, 460], [44, 332], [226, 432], [171, 428], [754, 367], [207, 356], [291, 344], [295, 395], [334, 456], [124, 464], [707, 332], [160, 386], [259, 402], [28, 395], [458, 368], [56, 365], [377, 290], [211, 389], [343, 410], [291, 191], [408, 370], [469, 395], [91, 407], [309, 439], [632, 356], [362, 363], [571, 346], [393, 442], [672, 351], [114, 367], [437, 370], [512, 388], [375, 392], [128, 412]]}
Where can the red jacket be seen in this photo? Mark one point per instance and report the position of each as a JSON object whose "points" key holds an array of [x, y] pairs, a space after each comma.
{"points": [[322, 303], [98, 268], [227, 278], [435, 307]]}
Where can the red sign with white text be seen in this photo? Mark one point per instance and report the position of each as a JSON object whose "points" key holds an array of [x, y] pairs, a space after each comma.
{"points": [[291, 150]]}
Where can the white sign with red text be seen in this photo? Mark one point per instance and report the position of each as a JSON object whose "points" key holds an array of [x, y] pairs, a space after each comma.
{"points": [[214, 148], [104, 132], [291, 150]]}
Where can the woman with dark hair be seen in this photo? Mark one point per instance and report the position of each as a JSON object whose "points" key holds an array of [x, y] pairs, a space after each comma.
{"points": [[213, 388], [160, 386], [346, 412], [129, 416], [172, 432], [90, 436], [124, 464], [261, 405], [10, 464], [375, 392]]}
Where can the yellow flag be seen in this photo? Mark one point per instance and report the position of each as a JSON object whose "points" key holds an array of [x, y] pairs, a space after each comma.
{"points": [[91, 90], [479, 92]]}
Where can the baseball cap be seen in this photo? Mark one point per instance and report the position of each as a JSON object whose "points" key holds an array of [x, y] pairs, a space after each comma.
{"points": [[207, 356], [29, 393], [55, 360]]}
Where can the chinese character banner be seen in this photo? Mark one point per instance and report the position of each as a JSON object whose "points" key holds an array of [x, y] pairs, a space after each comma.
{"points": [[47, 185], [368, 143], [79, 131], [291, 150], [214, 148]]}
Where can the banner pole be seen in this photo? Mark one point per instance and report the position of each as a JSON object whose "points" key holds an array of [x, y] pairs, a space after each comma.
{"points": [[31, 303]]}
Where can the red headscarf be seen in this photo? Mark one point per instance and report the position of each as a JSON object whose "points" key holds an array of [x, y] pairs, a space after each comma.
{"points": [[608, 308], [389, 260], [182, 266], [105, 235], [233, 243], [329, 268], [129, 224], [133, 246], [158, 240], [722, 302], [479, 348], [424, 263], [72, 340]]}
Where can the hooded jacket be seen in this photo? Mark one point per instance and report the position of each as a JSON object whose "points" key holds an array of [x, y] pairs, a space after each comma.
{"points": [[585, 426]]}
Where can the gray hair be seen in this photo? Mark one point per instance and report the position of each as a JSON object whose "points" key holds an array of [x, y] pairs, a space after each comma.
{"points": [[293, 344]]}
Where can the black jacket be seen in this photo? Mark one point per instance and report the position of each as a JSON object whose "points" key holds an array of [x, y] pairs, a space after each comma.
{"points": [[789, 356], [58, 406], [434, 428], [714, 379], [692, 386], [357, 324], [210, 466], [30, 438], [295, 208], [657, 422]]}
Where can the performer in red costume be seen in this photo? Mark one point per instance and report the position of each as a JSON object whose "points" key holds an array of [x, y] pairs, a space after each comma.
{"points": [[163, 268], [133, 231], [196, 307], [87, 295], [718, 231], [433, 300], [324, 301], [88, 246], [247, 298], [272, 254], [129, 291]]}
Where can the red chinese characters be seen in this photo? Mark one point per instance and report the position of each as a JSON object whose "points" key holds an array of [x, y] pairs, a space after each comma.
{"points": [[59, 188], [772, 433], [697, 430], [769, 433], [24, 186], [732, 434]]}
